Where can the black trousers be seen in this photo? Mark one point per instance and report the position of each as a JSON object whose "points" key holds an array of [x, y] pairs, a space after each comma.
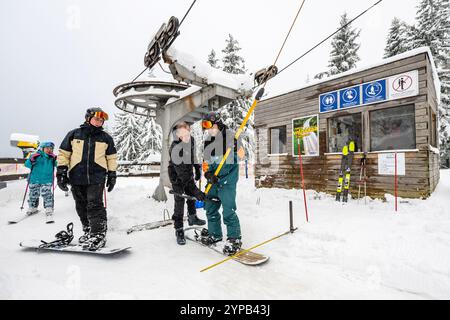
{"points": [[89, 206], [178, 211]]}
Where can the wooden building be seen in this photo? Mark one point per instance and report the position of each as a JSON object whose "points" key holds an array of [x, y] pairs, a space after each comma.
{"points": [[389, 108]]}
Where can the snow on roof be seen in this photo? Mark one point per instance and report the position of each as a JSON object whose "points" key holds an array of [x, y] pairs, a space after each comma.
{"points": [[24, 137], [213, 75], [408, 54]]}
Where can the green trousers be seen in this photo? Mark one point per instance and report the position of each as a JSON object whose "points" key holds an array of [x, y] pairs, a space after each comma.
{"points": [[227, 195]]}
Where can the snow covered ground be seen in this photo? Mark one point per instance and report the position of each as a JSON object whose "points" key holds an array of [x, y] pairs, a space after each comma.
{"points": [[354, 251]]}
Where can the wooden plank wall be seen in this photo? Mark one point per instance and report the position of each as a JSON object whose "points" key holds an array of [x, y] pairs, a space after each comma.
{"points": [[422, 167]]}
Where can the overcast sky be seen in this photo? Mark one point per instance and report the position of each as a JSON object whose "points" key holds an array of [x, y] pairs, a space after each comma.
{"points": [[59, 57]]}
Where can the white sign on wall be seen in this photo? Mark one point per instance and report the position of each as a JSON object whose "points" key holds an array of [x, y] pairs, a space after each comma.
{"points": [[404, 85], [386, 164]]}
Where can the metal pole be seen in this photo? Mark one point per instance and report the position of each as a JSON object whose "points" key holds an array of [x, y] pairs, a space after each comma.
{"points": [[291, 217], [26, 189]]}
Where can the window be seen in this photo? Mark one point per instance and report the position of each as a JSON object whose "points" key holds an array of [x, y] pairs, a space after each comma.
{"points": [[278, 140], [342, 129], [393, 129]]}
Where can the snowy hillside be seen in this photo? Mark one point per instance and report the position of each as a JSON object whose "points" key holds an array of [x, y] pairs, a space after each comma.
{"points": [[355, 251]]}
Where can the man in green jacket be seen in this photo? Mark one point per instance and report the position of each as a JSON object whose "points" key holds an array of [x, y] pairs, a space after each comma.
{"points": [[223, 185]]}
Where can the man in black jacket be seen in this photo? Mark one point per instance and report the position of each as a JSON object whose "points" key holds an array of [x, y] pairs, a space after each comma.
{"points": [[182, 162], [87, 157]]}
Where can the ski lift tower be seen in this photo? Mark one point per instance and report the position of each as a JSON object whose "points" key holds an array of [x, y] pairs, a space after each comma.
{"points": [[169, 102], [196, 89]]}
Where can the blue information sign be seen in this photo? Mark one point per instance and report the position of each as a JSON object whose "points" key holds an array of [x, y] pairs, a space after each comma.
{"points": [[329, 102], [374, 91], [350, 97]]}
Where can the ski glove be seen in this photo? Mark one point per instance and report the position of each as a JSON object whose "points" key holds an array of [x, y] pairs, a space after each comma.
{"points": [[212, 179], [34, 157], [200, 196], [198, 173], [62, 178], [111, 180]]}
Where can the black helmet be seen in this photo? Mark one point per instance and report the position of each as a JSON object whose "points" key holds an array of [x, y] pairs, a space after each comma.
{"points": [[95, 112], [212, 116]]}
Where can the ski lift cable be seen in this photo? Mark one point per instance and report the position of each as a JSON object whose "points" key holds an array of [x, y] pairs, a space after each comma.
{"points": [[331, 35], [185, 15], [187, 12]]}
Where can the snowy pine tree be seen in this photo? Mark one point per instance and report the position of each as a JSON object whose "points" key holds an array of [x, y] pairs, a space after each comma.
{"points": [[432, 29], [397, 41], [233, 114], [127, 133], [151, 139], [212, 60], [232, 62], [344, 53]]}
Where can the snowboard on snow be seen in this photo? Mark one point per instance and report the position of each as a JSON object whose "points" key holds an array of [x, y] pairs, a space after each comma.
{"points": [[249, 258], [36, 244]]}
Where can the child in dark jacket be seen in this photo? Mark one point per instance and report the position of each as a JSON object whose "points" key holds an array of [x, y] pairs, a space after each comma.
{"points": [[41, 164]]}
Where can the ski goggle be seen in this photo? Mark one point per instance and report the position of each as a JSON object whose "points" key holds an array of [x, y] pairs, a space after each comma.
{"points": [[101, 115], [206, 124]]}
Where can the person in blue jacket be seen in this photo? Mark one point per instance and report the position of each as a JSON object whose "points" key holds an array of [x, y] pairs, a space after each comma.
{"points": [[42, 164]]}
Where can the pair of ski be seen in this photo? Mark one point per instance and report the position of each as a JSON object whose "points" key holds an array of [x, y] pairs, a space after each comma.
{"points": [[345, 171], [48, 219]]}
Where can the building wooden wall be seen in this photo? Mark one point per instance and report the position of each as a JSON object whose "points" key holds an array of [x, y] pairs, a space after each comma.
{"points": [[321, 173]]}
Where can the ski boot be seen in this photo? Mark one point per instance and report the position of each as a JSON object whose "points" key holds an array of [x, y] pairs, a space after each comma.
{"points": [[205, 238], [31, 211], [85, 236], [232, 246], [95, 242], [194, 220], [181, 240], [49, 215]]}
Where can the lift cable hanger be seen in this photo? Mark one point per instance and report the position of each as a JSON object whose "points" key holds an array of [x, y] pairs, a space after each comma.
{"points": [[165, 36]]}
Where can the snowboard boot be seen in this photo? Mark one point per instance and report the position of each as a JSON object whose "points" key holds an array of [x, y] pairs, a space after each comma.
{"points": [[194, 220], [232, 246], [207, 239], [181, 240], [49, 215], [31, 211], [85, 236], [95, 242]]}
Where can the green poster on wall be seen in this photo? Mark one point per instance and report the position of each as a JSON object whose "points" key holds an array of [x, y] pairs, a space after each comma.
{"points": [[305, 135]]}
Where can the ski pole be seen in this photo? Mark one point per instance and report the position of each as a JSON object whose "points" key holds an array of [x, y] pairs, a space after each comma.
{"points": [[212, 199], [26, 189]]}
